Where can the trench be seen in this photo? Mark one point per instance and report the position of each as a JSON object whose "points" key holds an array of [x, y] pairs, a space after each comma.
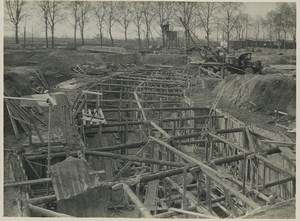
{"points": [[140, 129]]}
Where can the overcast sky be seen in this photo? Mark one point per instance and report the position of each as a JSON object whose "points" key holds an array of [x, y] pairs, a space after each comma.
{"points": [[64, 29]]}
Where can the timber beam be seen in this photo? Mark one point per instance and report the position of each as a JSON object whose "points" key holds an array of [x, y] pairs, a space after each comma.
{"points": [[45, 212], [139, 205], [133, 158]]}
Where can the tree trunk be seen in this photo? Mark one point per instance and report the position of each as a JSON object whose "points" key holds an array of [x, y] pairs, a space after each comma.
{"points": [[17, 34], [25, 36], [284, 43], [125, 33], [228, 38], [279, 42], [82, 36], [163, 36], [52, 36], [75, 30], [111, 37], [147, 36], [46, 33], [139, 37], [101, 37], [186, 39], [207, 39]]}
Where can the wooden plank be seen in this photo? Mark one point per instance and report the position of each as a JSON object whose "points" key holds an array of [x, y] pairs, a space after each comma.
{"points": [[42, 199], [163, 132], [13, 122], [279, 142], [230, 201], [151, 194], [27, 182], [45, 212], [252, 145], [133, 158], [198, 215]]}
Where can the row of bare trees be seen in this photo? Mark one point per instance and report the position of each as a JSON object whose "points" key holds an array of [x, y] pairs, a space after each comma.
{"points": [[281, 22], [146, 17]]}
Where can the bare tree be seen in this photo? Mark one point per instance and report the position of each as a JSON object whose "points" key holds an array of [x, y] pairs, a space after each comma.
{"points": [[44, 12], [111, 17], [269, 25], [292, 21], [84, 9], [124, 19], [284, 18], [257, 26], [148, 16], [137, 16], [15, 9], [206, 13], [229, 15], [99, 13], [241, 26], [74, 7], [187, 11], [53, 16], [165, 12]]}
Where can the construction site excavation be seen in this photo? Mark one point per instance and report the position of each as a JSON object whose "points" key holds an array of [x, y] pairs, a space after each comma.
{"points": [[195, 128]]}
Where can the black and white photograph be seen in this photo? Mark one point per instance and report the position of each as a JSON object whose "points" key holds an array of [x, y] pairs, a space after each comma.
{"points": [[149, 109]]}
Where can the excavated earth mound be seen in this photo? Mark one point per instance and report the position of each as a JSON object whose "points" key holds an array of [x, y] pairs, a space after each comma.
{"points": [[269, 92]]}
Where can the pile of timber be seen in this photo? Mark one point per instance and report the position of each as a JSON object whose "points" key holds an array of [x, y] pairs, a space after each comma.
{"points": [[26, 118]]}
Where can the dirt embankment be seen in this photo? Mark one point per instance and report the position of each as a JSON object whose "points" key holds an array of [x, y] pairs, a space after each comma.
{"points": [[24, 68], [268, 92], [251, 98]]}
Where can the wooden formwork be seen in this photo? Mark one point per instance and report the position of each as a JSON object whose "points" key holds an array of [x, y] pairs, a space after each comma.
{"points": [[231, 164]]}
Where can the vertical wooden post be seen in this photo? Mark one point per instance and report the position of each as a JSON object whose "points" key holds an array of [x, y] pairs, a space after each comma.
{"points": [[100, 124], [293, 188], [184, 202], [137, 189], [207, 139], [244, 174], [85, 102], [211, 149], [251, 173], [257, 173], [65, 123], [246, 170], [264, 176], [126, 138], [208, 197], [49, 144], [119, 118], [152, 157], [199, 186]]}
